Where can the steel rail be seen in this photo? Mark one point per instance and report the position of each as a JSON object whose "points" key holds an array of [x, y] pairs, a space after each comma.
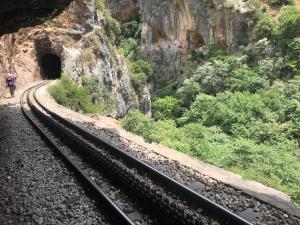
{"points": [[119, 216], [184, 192]]}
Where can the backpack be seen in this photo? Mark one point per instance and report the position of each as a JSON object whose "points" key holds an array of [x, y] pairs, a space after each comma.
{"points": [[10, 82]]}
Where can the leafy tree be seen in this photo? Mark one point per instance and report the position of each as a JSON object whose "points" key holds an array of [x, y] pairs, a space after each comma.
{"points": [[138, 123], [288, 26], [141, 71], [139, 81], [245, 79], [265, 27], [212, 50], [144, 67], [259, 50], [270, 68], [132, 29], [113, 28], [188, 92], [166, 108], [128, 48], [294, 51], [212, 76]]}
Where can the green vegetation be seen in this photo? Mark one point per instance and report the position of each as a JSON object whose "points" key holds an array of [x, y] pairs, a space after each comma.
{"points": [[239, 112], [100, 94], [91, 97], [112, 26], [68, 94], [166, 108], [128, 43]]}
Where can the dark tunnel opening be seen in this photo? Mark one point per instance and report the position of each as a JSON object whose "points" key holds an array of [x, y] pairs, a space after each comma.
{"points": [[50, 66]]}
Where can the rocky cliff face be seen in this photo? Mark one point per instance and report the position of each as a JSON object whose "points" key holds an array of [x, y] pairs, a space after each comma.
{"points": [[15, 13], [123, 10], [173, 27], [78, 40]]}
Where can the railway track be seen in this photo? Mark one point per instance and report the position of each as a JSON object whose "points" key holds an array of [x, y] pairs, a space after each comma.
{"points": [[132, 191]]}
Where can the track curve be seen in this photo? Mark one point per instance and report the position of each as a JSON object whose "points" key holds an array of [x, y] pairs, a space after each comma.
{"points": [[163, 200]]}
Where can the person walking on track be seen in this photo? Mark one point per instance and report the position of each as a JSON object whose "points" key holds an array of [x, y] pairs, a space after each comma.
{"points": [[11, 84]]}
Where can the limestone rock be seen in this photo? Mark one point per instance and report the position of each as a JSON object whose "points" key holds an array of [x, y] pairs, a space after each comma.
{"points": [[171, 28]]}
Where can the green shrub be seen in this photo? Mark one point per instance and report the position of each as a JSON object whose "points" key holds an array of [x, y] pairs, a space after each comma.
{"points": [[227, 109], [271, 163], [188, 92], [168, 90], [294, 51], [141, 72], [132, 29], [288, 26], [166, 108], [128, 48], [100, 6], [265, 27], [138, 123], [212, 76], [213, 50], [113, 27], [142, 66], [139, 81], [100, 94], [270, 68], [68, 94], [245, 79]]}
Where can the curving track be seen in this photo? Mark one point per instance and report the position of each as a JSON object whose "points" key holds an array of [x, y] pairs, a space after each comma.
{"points": [[133, 192]]}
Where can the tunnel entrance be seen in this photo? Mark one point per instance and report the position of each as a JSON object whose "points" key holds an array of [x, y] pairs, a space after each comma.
{"points": [[50, 66]]}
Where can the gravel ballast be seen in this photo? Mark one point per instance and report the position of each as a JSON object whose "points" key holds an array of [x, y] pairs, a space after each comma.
{"points": [[235, 200], [35, 186]]}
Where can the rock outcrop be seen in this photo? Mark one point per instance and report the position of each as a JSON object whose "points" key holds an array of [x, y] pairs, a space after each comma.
{"points": [[171, 28], [78, 39], [123, 10], [15, 14]]}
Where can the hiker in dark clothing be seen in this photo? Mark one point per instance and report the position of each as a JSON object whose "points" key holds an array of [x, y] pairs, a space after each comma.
{"points": [[11, 84]]}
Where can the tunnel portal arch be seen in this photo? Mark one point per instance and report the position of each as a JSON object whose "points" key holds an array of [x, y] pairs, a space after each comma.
{"points": [[50, 66]]}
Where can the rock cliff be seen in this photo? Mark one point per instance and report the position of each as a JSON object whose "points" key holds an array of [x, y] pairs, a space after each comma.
{"points": [[78, 41], [173, 27], [123, 10], [17, 13]]}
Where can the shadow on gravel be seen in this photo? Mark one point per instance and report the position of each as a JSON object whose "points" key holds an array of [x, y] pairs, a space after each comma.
{"points": [[11, 162]]}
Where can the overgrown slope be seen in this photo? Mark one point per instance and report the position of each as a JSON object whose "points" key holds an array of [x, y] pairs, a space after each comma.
{"points": [[239, 111]]}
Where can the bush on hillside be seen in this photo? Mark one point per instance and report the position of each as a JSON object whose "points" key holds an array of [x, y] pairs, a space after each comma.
{"points": [[128, 48], [142, 66], [212, 76], [265, 27], [166, 108], [68, 94], [245, 79], [188, 92], [139, 81], [138, 123], [288, 26]]}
